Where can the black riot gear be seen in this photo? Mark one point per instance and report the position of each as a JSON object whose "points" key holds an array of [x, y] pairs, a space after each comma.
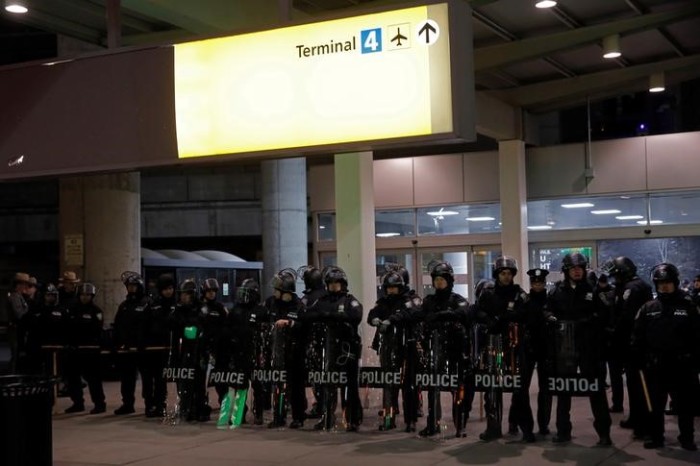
{"points": [[666, 273], [574, 260], [248, 292], [312, 277], [87, 288], [503, 263], [210, 284], [285, 281], [444, 270], [481, 286], [622, 268], [164, 281], [187, 286], [335, 274], [392, 279], [133, 278]]}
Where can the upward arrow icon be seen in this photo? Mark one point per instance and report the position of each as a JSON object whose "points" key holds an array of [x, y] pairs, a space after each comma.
{"points": [[427, 29]]}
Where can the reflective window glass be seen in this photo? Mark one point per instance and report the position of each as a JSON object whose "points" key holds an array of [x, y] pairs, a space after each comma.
{"points": [[586, 212], [390, 223], [459, 220], [675, 208], [326, 227], [460, 265]]}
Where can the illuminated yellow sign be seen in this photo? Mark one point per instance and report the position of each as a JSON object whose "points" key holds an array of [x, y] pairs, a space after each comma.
{"points": [[366, 78]]}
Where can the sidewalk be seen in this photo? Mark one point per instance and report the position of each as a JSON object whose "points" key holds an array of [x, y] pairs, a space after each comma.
{"points": [[82, 440]]}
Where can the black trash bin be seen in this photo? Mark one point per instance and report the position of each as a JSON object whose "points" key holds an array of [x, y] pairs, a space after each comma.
{"points": [[25, 420]]}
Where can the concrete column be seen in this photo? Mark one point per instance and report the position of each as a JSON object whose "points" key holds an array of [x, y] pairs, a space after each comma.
{"points": [[513, 190], [284, 217], [100, 232], [354, 223]]}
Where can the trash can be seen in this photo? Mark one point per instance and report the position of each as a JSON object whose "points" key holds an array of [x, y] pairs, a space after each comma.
{"points": [[25, 420]]}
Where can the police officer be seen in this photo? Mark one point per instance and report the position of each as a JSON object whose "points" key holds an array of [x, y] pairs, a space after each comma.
{"points": [[130, 327], [446, 318], [17, 307], [631, 292], [341, 312], [665, 346], [84, 338], [395, 342], [535, 354], [573, 300], [187, 323], [214, 326], [285, 310], [313, 289], [159, 342], [247, 326], [68, 288], [499, 309]]}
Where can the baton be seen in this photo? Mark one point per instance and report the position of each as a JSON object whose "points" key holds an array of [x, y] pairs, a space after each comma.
{"points": [[645, 389]]}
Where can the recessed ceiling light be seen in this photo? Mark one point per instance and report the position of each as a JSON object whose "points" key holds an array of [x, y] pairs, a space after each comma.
{"points": [[605, 212], [629, 217], [18, 7], [651, 222], [442, 212], [578, 205], [388, 235], [539, 227], [322, 227], [479, 219], [545, 4]]}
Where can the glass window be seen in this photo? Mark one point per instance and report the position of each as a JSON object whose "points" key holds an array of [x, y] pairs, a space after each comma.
{"points": [[646, 253], [586, 212], [387, 259], [675, 208], [389, 223], [483, 263], [326, 227], [459, 220]]}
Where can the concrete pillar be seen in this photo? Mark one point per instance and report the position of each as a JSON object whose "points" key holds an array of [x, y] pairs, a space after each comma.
{"points": [[513, 190], [100, 232], [284, 217], [354, 223]]}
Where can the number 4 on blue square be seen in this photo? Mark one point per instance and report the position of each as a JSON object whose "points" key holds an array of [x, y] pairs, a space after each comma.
{"points": [[371, 40]]}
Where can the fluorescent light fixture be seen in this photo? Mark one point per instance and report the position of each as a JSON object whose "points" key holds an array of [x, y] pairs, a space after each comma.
{"points": [[545, 4], [442, 212], [611, 46], [16, 6], [651, 222], [629, 217], [479, 219], [606, 212], [579, 205], [388, 235], [539, 227], [657, 82], [322, 227]]}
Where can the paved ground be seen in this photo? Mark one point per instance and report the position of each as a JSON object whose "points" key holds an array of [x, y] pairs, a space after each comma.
{"points": [[81, 440]]}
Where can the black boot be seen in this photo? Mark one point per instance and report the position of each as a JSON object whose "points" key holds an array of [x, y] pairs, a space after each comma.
{"points": [[75, 408], [429, 430]]}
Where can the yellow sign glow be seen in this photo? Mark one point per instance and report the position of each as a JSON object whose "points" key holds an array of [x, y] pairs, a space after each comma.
{"points": [[366, 78]]}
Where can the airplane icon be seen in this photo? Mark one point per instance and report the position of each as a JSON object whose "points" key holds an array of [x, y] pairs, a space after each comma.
{"points": [[398, 37]]}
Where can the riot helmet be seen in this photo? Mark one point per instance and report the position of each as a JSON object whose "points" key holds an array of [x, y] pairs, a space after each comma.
{"points": [[443, 270], [134, 278], [285, 281], [392, 279], [481, 286], [504, 263], [51, 292], [311, 276], [665, 272], [164, 281], [87, 288], [210, 284], [334, 274], [622, 268], [248, 292], [187, 286], [574, 260]]}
